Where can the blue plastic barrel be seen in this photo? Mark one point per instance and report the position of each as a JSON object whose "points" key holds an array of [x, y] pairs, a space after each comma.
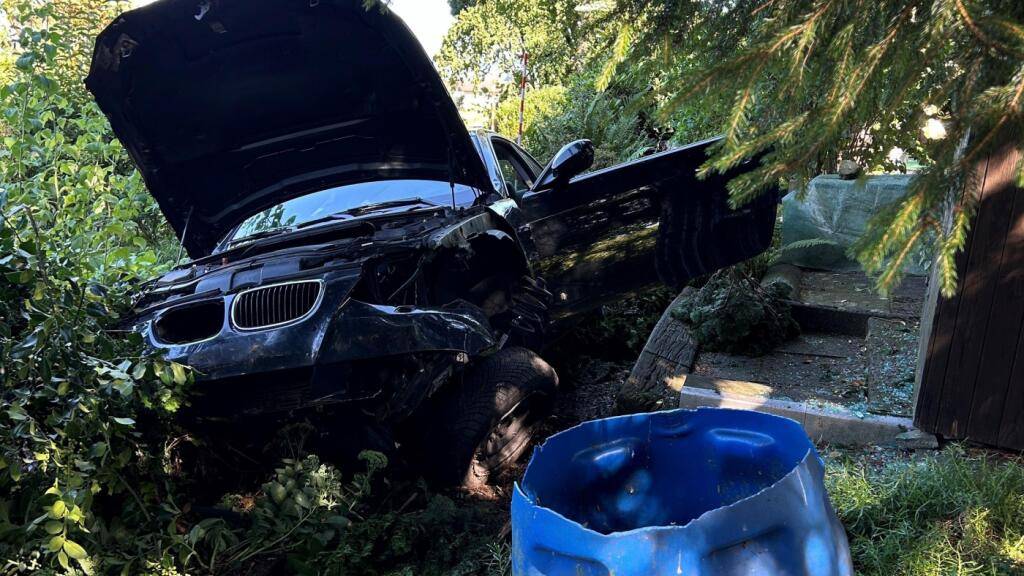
{"points": [[695, 493]]}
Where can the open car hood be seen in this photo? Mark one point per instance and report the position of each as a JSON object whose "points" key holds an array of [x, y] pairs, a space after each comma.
{"points": [[229, 107]]}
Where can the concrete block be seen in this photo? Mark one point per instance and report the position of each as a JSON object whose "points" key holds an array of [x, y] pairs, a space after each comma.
{"points": [[836, 426]]}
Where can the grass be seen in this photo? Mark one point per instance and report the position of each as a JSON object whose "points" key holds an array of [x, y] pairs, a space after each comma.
{"points": [[955, 512]]}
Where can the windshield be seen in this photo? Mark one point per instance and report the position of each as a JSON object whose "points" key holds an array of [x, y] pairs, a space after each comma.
{"points": [[317, 205]]}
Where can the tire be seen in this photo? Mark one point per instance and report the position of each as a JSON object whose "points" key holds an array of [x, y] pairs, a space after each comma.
{"points": [[484, 426]]}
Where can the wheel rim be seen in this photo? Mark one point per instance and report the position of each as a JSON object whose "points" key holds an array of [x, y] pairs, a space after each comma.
{"points": [[507, 439]]}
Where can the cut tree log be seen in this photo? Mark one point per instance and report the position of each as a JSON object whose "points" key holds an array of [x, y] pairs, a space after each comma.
{"points": [[668, 355]]}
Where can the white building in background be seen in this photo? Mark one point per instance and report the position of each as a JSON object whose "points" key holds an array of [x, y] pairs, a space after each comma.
{"points": [[477, 101]]}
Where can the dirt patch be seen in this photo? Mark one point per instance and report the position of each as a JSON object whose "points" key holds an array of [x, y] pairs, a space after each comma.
{"points": [[892, 360], [855, 291], [870, 372], [821, 367], [587, 392]]}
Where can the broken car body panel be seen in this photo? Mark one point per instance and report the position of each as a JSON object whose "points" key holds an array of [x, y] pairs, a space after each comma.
{"points": [[339, 328]]}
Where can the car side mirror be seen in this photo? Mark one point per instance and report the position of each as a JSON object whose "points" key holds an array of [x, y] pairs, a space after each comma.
{"points": [[572, 160]]}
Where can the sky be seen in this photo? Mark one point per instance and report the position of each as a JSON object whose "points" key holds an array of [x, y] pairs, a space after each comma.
{"points": [[429, 19]]}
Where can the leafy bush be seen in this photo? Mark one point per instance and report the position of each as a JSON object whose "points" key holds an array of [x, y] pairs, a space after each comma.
{"points": [[541, 105], [442, 537], [82, 408], [734, 313], [614, 120], [298, 518]]}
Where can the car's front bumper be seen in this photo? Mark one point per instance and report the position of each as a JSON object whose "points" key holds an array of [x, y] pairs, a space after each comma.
{"points": [[333, 348]]}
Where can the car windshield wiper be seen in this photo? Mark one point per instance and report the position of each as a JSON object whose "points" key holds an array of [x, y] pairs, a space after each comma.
{"points": [[260, 235], [366, 209]]}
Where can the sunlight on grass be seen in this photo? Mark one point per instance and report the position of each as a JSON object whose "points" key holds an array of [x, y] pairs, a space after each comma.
{"points": [[948, 513]]}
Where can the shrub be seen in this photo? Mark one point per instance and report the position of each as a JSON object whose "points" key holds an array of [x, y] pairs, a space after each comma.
{"points": [[83, 409]]}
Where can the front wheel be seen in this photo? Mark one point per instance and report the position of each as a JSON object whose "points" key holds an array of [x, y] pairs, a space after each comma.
{"points": [[483, 427]]}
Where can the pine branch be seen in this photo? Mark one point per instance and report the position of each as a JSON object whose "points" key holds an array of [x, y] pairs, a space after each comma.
{"points": [[985, 39]]}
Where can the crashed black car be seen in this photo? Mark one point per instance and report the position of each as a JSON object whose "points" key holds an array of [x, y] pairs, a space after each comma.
{"points": [[355, 248]]}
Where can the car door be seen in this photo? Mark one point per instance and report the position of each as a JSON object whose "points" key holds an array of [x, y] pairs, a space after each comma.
{"points": [[623, 228]]}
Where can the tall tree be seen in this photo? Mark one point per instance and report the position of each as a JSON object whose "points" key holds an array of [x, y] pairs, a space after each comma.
{"points": [[491, 36]]}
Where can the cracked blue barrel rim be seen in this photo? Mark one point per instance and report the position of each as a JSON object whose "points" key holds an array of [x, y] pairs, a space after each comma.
{"points": [[694, 492]]}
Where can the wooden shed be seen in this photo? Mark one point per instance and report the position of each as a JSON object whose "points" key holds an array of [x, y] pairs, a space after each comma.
{"points": [[971, 369]]}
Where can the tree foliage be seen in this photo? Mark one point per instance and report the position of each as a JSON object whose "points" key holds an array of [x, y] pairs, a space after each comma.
{"points": [[490, 37], [564, 39], [805, 82], [811, 81], [458, 6], [76, 230], [615, 120]]}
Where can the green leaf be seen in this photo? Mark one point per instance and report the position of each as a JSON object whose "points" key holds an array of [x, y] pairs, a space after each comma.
{"points": [[54, 527], [75, 514], [139, 371], [180, 376], [338, 521], [16, 412], [63, 559], [25, 61], [166, 376], [124, 387], [84, 465], [125, 421], [277, 492], [74, 550], [58, 509], [55, 543]]}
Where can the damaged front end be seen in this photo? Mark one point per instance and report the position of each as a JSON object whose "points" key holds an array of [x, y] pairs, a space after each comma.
{"points": [[343, 321]]}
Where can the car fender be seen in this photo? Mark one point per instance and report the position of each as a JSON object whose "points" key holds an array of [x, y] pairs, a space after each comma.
{"points": [[484, 229]]}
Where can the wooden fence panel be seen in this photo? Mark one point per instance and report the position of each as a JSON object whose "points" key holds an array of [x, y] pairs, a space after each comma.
{"points": [[1011, 434], [973, 380], [1000, 343]]}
